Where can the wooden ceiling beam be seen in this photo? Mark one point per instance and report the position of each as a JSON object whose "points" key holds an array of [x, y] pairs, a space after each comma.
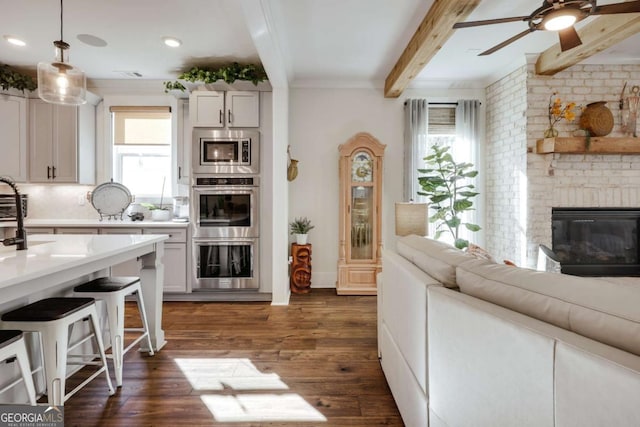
{"points": [[434, 30], [602, 33]]}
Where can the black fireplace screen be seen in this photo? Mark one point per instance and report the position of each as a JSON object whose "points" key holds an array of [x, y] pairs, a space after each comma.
{"points": [[596, 242]]}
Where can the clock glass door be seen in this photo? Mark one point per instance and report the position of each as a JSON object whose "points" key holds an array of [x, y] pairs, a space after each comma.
{"points": [[362, 206]]}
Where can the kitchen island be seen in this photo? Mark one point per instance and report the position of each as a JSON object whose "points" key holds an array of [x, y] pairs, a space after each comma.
{"points": [[54, 264]]}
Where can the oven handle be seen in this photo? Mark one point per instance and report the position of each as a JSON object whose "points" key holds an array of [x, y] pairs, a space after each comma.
{"points": [[224, 189]]}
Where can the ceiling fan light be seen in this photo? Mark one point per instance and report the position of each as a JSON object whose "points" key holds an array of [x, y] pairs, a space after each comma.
{"points": [[560, 19]]}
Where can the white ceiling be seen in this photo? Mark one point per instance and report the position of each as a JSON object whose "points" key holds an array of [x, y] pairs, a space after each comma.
{"points": [[344, 43]]}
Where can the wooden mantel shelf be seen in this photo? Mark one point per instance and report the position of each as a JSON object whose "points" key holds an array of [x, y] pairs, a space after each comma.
{"points": [[597, 145]]}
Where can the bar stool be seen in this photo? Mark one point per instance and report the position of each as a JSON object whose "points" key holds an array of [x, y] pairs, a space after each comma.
{"points": [[113, 290], [52, 317], [12, 346]]}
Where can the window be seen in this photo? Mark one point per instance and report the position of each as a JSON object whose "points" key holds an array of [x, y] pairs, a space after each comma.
{"points": [[441, 129], [455, 125], [142, 149]]}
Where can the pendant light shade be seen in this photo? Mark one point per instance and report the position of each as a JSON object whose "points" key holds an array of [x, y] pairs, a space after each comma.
{"points": [[60, 82]]}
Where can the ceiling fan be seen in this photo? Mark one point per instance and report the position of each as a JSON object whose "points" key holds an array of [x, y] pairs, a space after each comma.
{"points": [[556, 15]]}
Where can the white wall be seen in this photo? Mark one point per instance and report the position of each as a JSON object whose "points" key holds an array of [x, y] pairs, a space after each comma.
{"points": [[320, 120]]}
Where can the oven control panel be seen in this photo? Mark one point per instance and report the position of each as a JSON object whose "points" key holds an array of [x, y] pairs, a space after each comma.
{"points": [[209, 180]]}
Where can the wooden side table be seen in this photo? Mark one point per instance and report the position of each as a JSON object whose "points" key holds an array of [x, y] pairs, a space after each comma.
{"points": [[300, 280]]}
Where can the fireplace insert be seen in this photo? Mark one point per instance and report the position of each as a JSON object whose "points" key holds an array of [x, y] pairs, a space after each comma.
{"points": [[596, 241]]}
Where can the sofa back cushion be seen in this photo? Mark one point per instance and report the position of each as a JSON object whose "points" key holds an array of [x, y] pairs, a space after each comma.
{"points": [[438, 259], [604, 310]]}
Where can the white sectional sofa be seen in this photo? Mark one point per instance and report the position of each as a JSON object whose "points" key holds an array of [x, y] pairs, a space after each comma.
{"points": [[467, 342]]}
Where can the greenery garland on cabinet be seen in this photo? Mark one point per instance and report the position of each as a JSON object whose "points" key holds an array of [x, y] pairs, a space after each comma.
{"points": [[13, 79], [229, 73]]}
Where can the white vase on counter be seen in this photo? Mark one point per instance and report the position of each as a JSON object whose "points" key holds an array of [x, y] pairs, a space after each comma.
{"points": [[160, 215]]}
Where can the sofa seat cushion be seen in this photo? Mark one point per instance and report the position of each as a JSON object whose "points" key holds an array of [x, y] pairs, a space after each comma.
{"points": [[604, 310], [438, 259]]}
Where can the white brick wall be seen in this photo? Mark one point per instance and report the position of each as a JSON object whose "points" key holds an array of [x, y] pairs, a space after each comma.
{"points": [[552, 180], [506, 165]]}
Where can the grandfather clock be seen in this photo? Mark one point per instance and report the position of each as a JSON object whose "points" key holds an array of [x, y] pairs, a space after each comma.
{"points": [[360, 242]]}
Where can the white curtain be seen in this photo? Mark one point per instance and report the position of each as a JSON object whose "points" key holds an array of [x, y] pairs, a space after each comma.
{"points": [[466, 149], [416, 112]]}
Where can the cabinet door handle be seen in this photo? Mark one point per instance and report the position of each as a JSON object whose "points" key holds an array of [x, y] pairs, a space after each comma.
{"points": [[230, 117], [53, 175], [221, 116], [48, 172], [179, 172]]}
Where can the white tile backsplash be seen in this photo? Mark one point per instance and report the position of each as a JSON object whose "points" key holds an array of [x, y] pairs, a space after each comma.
{"points": [[58, 201]]}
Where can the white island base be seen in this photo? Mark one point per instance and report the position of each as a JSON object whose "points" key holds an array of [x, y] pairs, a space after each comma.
{"points": [[54, 264]]}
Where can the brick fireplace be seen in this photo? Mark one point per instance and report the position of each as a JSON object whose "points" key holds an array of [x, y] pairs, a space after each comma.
{"points": [[523, 187]]}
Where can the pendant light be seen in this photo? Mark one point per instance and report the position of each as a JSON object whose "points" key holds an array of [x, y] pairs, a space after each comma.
{"points": [[60, 82]]}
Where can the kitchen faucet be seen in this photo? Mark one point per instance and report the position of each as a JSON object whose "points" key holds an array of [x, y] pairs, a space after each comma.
{"points": [[21, 235]]}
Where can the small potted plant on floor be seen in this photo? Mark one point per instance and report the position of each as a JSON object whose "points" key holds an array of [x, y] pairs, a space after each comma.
{"points": [[300, 228]]}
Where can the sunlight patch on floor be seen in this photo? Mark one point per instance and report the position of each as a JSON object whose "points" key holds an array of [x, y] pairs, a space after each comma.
{"points": [[216, 374], [238, 374], [289, 407]]}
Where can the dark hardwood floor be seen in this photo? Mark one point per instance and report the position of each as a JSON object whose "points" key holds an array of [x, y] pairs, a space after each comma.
{"points": [[311, 363]]}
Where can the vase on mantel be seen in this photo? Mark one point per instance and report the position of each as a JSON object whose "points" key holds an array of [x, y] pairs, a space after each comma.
{"points": [[551, 132]]}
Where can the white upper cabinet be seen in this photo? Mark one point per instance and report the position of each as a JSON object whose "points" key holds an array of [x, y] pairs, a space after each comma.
{"points": [[13, 143], [61, 143], [233, 109], [184, 142], [243, 109]]}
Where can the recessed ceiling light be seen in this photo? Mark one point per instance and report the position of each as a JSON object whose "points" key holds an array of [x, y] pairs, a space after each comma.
{"points": [[171, 41], [15, 41]]}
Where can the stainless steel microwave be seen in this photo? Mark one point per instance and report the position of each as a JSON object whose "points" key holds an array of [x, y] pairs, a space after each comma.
{"points": [[217, 151]]}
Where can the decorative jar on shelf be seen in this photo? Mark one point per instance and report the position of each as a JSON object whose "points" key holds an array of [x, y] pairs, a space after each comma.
{"points": [[551, 132]]}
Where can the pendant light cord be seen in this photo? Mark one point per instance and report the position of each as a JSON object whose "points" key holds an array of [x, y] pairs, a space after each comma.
{"points": [[61, 38]]}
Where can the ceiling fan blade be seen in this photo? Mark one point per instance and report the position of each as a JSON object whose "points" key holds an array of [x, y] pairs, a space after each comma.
{"points": [[489, 22], [506, 42], [569, 38], [627, 7]]}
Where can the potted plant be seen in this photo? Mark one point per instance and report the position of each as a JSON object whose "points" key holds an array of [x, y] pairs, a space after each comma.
{"points": [[158, 213], [445, 184], [300, 228]]}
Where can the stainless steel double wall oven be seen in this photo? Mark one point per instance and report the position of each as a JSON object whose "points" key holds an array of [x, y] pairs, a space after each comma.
{"points": [[225, 210]]}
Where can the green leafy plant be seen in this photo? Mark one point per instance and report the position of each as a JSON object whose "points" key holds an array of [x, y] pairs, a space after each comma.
{"points": [[13, 79], [446, 185], [300, 226], [153, 207], [229, 73]]}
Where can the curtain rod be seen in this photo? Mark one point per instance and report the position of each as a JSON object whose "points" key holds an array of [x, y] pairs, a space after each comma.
{"points": [[441, 103]]}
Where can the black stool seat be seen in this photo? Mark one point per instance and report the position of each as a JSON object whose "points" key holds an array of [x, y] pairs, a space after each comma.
{"points": [[107, 284], [47, 309], [8, 336]]}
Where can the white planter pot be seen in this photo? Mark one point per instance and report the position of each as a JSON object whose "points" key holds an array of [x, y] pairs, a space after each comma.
{"points": [[160, 215], [301, 239]]}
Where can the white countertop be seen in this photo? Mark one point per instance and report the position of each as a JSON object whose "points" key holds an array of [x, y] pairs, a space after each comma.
{"points": [[52, 253], [96, 223]]}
